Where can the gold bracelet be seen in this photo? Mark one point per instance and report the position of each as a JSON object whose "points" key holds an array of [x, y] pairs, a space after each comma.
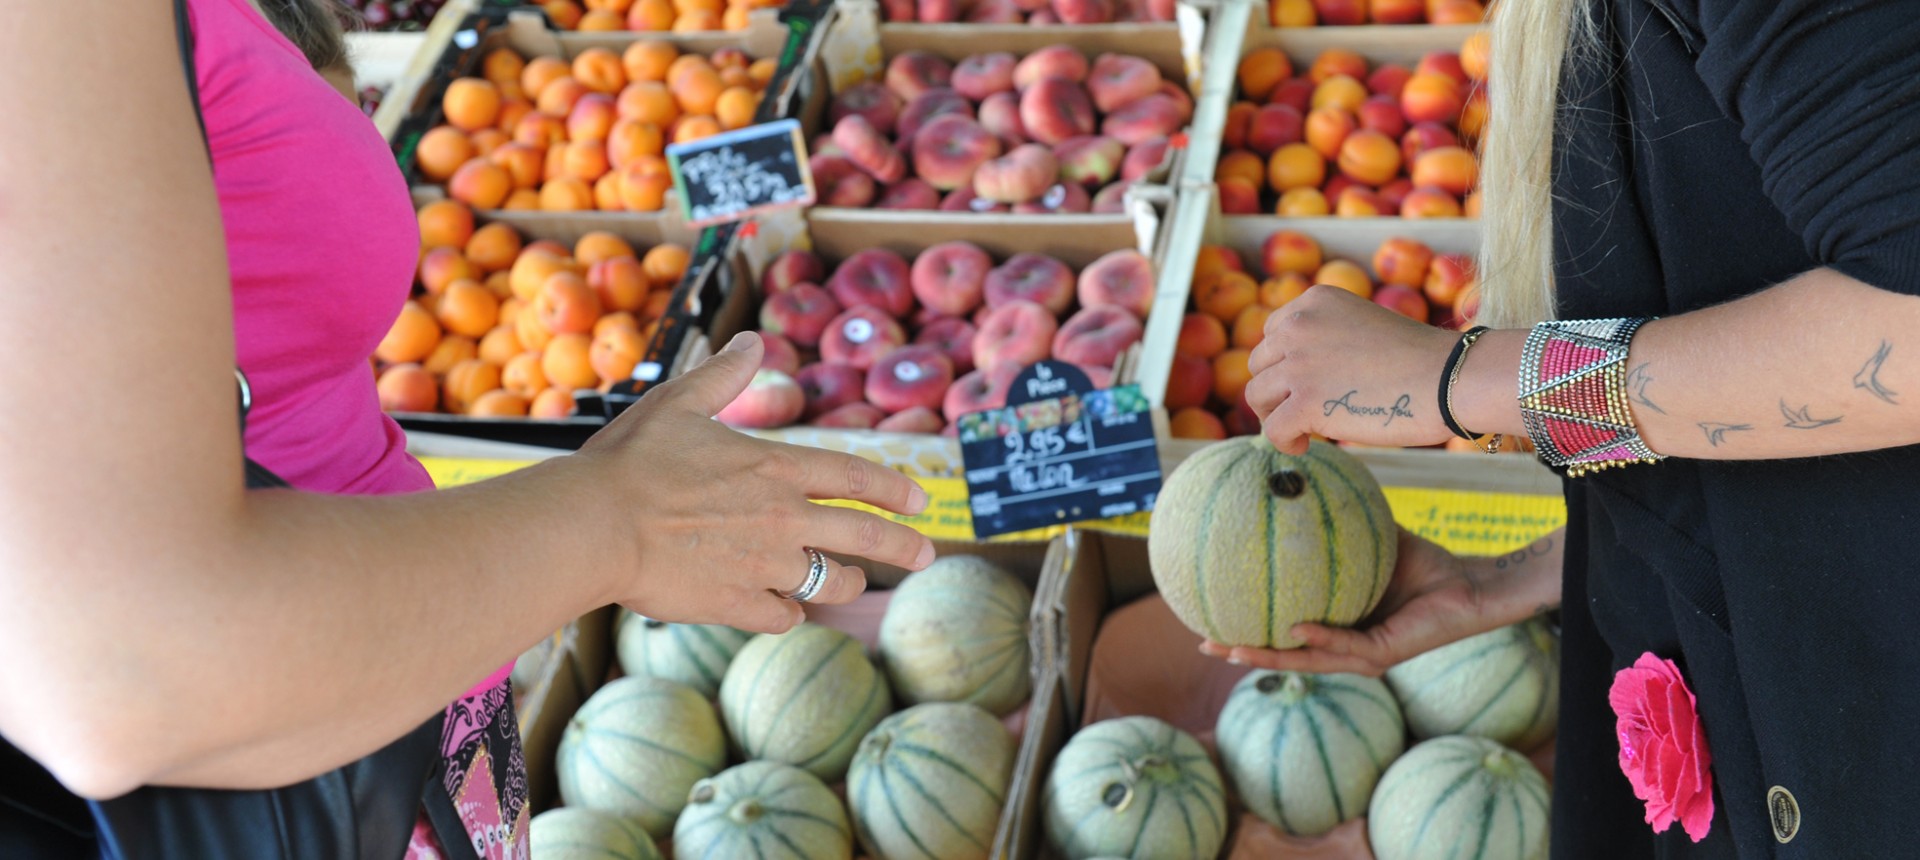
{"points": [[1453, 376]]}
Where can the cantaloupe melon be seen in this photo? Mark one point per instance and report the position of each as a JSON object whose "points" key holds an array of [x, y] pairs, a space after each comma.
{"points": [[763, 809], [1247, 542], [930, 782], [693, 654], [636, 747], [1503, 685], [1304, 751], [1134, 787], [570, 833], [1459, 798], [805, 697], [957, 632]]}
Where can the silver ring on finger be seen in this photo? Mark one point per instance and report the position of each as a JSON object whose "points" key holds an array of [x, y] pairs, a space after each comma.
{"points": [[816, 578]]}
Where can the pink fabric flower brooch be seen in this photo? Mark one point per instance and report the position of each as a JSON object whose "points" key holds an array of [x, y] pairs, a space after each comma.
{"points": [[1663, 751]]}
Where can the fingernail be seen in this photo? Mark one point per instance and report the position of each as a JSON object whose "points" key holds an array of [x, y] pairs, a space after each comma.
{"points": [[1236, 661], [917, 500], [740, 342], [925, 557]]}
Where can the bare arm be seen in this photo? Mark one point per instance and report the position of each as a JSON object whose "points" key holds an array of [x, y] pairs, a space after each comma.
{"points": [[165, 626], [1821, 364]]}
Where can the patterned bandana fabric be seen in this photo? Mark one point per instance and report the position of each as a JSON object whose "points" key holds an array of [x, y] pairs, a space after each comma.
{"points": [[486, 776]]}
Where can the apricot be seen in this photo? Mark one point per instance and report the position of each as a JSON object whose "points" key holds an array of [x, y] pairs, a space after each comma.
{"points": [[598, 246], [1291, 251], [606, 193], [1292, 13], [442, 266], [1201, 336], [1359, 201], [1239, 124], [616, 320], [531, 331], [1302, 203], [553, 403], [1277, 291], [737, 17], [512, 111], [1250, 326], [1470, 207], [1451, 169], [467, 381], [451, 350], [493, 247], [471, 104], [1262, 70], [1327, 129], [649, 102], [1456, 12], [585, 160], [666, 263], [522, 200], [643, 187], [486, 140], [1346, 275], [567, 361], [599, 70], [442, 151], [1429, 202], [412, 336], [1339, 91], [503, 65], [553, 249], [407, 388], [541, 71], [631, 140], [1243, 165], [761, 71], [1337, 61], [1225, 295], [532, 269], [500, 344], [648, 60], [735, 107], [523, 375], [1402, 261], [467, 308], [602, 21], [656, 304], [697, 21], [1194, 422], [566, 304], [1214, 259], [1295, 165], [481, 184], [1369, 157], [445, 224], [540, 131], [555, 164], [1231, 375], [558, 99], [566, 194], [613, 355], [691, 128], [696, 88], [592, 118], [566, 14], [1476, 55], [1431, 97]]}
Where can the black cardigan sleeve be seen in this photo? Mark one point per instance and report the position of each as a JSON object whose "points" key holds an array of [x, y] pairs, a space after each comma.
{"points": [[1827, 95]]}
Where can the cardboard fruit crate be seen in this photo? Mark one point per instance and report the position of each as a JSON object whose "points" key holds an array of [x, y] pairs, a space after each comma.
{"points": [[1239, 27], [1075, 241], [857, 46], [1106, 575], [455, 47]]}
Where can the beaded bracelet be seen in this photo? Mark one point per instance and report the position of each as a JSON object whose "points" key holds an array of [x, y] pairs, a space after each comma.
{"points": [[1573, 395]]}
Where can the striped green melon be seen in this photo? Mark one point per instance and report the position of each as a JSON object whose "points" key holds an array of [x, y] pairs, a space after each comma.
{"points": [[693, 654], [569, 833], [1304, 751], [930, 781], [1246, 541], [636, 747], [805, 697], [957, 632], [1503, 684], [1135, 787], [1459, 798], [764, 810]]}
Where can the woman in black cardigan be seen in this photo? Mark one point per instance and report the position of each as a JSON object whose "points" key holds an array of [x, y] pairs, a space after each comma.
{"points": [[1748, 173]]}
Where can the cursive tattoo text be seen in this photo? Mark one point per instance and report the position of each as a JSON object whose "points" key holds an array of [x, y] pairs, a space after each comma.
{"points": [[1637, 381], [1717, 432], [1802, 418], [1397, 410], [1868, 379]]}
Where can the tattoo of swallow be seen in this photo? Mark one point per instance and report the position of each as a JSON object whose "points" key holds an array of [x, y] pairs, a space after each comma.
{"points": [[1802, 418], [1637, 381], [1868, 379], [1717, 432]]}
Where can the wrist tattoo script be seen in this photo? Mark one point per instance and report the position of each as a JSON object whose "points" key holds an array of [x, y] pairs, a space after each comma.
{"points": [[1397, 410]]}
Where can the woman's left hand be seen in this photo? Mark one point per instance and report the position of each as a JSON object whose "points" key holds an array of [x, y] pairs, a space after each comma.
{"points": [[1340, 366]]}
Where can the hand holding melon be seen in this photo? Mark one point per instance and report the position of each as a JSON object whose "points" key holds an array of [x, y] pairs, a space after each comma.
{"points": [[1247, 542]]}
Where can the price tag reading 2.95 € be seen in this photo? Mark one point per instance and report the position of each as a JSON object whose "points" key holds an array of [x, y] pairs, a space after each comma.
{"points": [[730, 176], [1059, 452]]}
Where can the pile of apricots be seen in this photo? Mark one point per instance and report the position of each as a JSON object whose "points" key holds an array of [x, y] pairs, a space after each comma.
{"points": [[653, 16], [584, 134], [1346, 13], [1354, 139], [1231, 302], [500, 327]]}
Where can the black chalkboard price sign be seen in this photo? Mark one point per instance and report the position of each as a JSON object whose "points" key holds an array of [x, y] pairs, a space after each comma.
{"points": [[732, 175], [1059, 452]]}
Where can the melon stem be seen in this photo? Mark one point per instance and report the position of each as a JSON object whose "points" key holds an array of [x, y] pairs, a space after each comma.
{"points": [[746, 812], [1153, 768], [1294, 689], [1499, 763]]}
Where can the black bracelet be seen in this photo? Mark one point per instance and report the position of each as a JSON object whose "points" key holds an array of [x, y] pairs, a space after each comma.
{"points": [[1451, 372]]}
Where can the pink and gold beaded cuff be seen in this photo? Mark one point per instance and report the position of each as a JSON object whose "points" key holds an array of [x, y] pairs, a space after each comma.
{"points": [[1573, 395]]}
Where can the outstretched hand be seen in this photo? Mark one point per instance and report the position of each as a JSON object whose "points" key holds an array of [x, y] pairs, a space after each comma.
{"points": [[1434, 598], [721, 520]]}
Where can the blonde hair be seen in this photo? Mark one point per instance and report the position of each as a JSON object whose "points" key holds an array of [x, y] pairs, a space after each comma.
{"points": [[316, 27], [1532, 39]]}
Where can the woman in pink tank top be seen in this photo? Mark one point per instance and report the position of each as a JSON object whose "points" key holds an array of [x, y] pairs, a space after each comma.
{"points": [[166, 627]]}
